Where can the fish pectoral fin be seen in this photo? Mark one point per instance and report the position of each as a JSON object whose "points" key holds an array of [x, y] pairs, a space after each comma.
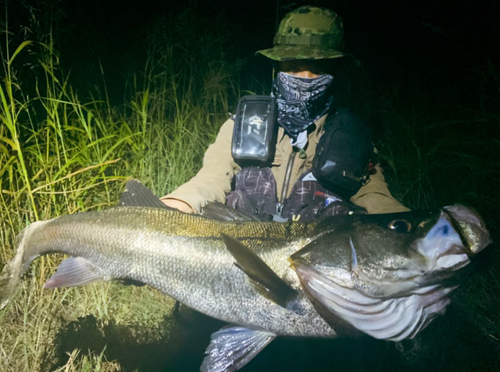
{"points": [[138, 195], [261, 276], [74, 271], [231, 348]]}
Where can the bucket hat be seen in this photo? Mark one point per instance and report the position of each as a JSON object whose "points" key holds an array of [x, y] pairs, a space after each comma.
{"points": [[307, 33]]}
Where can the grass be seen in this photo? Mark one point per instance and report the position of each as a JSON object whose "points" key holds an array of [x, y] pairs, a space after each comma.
{"points": [[61, 153]]}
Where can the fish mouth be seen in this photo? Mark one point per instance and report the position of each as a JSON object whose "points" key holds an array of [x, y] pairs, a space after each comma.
{"points": [[458, 234], [443, 246], [470, 225], [393, 318]]}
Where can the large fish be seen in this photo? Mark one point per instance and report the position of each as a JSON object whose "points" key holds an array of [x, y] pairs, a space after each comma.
{"points": [[383, 275]]}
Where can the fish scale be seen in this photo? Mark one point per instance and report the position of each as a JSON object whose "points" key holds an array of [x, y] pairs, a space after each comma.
{"points": [[383, 275], [137, 244]]}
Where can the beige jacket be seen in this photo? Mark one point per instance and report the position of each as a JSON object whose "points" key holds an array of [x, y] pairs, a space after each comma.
{"points": [[213, 181]]}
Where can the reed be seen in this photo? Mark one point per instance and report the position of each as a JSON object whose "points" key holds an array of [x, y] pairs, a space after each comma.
{"points": [[63, 154]]}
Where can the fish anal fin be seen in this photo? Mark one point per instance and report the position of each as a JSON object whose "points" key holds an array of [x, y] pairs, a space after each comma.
{"points": [[231, 348], [261, 276], [74, 271]]}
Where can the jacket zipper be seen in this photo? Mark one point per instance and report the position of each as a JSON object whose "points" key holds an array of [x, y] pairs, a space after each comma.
{"points": [[286, 182]]}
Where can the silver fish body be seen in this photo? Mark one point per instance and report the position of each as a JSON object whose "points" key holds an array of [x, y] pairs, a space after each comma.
{"points": [[184, 257], [383, 275]]}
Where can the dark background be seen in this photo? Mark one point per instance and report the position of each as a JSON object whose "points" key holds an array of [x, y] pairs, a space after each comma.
{"points": [[436, 42]]}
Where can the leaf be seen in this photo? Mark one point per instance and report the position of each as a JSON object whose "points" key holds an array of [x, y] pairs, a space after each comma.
{"points": [[12, 144], [19, 49]]}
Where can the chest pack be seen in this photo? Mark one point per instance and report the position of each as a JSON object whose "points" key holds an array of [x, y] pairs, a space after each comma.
{"points": [[255, 129], [255, 192], [345, 155], [343, 160]]}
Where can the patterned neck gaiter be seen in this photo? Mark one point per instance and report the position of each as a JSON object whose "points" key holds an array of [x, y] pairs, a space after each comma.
{"points": [[301, 101]]}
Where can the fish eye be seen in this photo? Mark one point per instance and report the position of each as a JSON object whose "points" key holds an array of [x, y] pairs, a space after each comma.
{"points": [[402, 226]]}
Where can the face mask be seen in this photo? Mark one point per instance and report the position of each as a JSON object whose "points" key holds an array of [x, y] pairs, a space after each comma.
{"points": [[301, 101]]}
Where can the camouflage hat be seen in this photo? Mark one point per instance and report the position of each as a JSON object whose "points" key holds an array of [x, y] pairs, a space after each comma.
{"points": [[307, 33]]}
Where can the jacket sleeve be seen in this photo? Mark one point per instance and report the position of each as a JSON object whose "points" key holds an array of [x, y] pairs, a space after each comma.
{"points": [[213, 181], [375, 196]]}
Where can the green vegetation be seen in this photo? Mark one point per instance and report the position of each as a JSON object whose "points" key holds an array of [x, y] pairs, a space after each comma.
{"points": [[62, 152]]}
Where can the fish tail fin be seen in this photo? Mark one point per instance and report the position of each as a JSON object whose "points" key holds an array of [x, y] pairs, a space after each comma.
{"points": [[8, 282], [14, 269]]}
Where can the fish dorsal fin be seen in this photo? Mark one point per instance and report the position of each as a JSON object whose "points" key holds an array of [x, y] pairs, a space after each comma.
{"points": [[262, 277], [221, 212], [233, 347], [138, 195]]}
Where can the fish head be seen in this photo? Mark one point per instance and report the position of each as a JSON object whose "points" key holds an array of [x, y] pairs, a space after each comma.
{"points": [[388, 275]]}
